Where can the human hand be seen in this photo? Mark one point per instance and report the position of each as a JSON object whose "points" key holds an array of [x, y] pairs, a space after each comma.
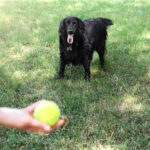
{"points": [[23, 119]]}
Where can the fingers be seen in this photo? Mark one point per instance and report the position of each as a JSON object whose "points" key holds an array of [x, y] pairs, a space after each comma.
{"points": [[59, 123], [38, 126]]}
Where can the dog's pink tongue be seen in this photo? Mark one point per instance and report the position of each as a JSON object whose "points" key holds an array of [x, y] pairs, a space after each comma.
{"points": [[70, 38]]}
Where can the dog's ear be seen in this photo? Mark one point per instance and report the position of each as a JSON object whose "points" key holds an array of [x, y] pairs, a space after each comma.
{"points": [[62, 29], [81, 26]]}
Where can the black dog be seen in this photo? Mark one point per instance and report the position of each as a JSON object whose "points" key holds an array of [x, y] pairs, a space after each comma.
{"points": [[78, 40]]}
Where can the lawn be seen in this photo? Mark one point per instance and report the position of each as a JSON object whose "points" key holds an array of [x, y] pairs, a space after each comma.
{"points": [[110, 112]]}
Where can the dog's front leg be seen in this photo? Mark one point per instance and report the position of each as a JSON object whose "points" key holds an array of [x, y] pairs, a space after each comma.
{"points": [[62, 67], [86, 64]]}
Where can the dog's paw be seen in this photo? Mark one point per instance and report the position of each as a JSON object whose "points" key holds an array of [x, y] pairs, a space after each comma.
{"points": [[59, 77], [87, 78]]}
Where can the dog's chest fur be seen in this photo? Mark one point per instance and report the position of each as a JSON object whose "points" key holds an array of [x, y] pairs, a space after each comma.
{"points": [[73, 55]]}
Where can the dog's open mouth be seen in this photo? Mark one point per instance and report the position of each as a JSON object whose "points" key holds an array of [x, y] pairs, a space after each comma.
{"points": [[70, 38]]}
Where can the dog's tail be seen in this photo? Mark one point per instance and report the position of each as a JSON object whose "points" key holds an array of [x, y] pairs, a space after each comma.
{"points": [[107, 22]]}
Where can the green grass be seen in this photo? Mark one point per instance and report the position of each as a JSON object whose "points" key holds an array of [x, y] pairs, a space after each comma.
{"points": [[112, 111]]}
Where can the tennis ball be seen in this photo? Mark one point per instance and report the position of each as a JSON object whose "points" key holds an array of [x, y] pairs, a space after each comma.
{"points": [[47, 112]]}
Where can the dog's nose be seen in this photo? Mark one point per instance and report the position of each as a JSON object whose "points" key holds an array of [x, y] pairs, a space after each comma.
{"points": [[70, 32]]}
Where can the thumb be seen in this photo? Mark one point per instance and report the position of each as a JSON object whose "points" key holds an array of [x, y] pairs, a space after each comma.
{"points": [[30, 108]]}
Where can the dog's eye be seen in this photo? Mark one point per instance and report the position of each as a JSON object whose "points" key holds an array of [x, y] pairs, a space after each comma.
{"points": [[74, 23], [68, 22]]}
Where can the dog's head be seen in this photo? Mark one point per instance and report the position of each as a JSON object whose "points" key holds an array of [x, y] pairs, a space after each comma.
{"points": [[71, 27]]}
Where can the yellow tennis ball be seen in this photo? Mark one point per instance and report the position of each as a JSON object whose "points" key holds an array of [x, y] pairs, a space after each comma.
{"points": [[47, 112]]}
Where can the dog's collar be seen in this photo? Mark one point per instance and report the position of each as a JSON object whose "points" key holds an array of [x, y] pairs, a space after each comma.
{"points": [[69, 48]]}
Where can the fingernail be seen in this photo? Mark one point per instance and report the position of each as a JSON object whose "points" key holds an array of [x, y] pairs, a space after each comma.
{"points": [[47, 128]]}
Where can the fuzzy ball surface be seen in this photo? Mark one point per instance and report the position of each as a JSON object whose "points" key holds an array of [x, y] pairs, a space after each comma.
{"points": [[47, 112]]}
